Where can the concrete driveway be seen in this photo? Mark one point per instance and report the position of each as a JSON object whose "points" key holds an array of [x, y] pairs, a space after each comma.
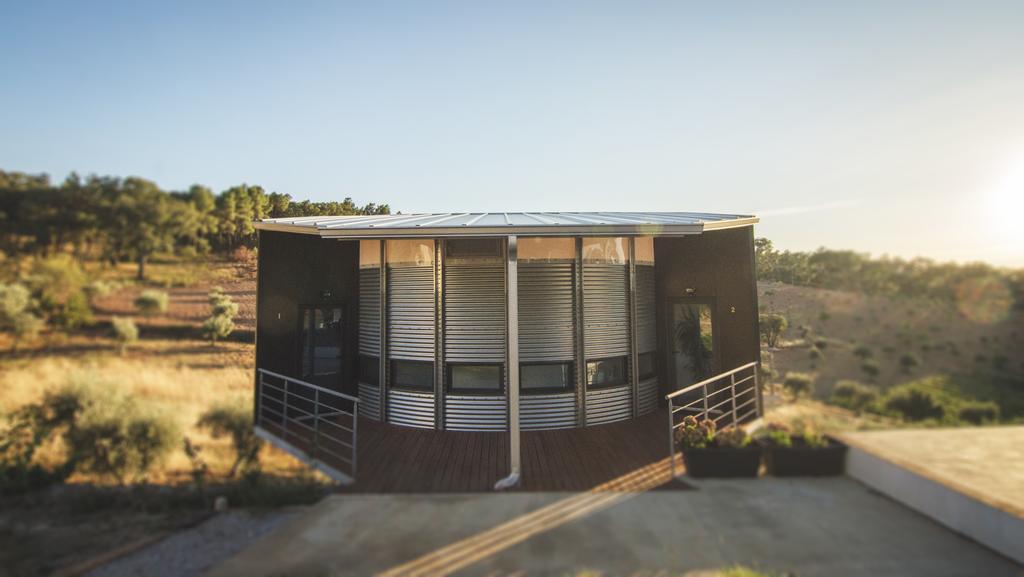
{"points": [[807, 527]]}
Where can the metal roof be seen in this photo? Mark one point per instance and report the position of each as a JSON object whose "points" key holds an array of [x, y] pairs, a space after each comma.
{"points": [[508, 223]]}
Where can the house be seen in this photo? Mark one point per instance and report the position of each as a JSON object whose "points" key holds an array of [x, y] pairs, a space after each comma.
{"points": [[500, 322]]}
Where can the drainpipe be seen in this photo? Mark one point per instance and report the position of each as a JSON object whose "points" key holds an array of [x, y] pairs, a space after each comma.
{"points": [[512, 357]]}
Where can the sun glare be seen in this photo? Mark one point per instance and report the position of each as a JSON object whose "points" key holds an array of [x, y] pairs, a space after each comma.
{"points": [[1006, 203]]}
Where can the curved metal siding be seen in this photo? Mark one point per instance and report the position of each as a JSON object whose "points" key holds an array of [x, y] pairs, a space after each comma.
{"points": [[475, 413], [546, 312], [648, 396], [411, 313], [538, 412], [605, 310], [369, 311], [609, 405], [411, 409], [369, 401], [474, 312], [646, 331]]}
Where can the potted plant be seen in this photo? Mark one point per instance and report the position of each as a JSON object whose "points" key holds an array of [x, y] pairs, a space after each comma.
{"points": [[711, 453], [803, 452]]}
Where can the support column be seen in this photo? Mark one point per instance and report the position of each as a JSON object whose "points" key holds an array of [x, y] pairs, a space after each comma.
{"points": [[634, 356], [512, 362], [382, 372]]}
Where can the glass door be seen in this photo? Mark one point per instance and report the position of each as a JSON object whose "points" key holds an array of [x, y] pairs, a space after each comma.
{"points": [[322, 345], [691, 332]]}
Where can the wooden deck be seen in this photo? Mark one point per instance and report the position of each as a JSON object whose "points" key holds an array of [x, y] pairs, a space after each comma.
{"points": [[403, 460]]}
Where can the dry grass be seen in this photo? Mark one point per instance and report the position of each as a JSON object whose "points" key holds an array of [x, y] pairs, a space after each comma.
{"points": [[180, 377]]}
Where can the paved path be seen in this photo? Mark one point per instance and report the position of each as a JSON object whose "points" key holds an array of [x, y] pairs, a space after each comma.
{"points": [[809, 527], [985, 463]]}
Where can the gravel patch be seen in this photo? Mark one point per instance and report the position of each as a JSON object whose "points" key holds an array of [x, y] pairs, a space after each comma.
{"points": [[193, 551]]}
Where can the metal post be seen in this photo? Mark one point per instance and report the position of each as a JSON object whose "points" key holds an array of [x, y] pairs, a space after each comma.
{"points": [[355, 434], [634, 355], [316, 422], [284, 412], [259, 397], [671, 439], [382, 367], [758, 400], [732, 393], [704, 391], [512, 356]]}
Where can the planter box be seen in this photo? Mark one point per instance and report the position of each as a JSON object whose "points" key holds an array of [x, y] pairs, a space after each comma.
{"points": [[722, 462], [803, 461]]}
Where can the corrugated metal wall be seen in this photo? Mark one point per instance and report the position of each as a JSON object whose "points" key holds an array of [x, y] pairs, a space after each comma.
{"points": [[646, 310], [369, 401], [546, 305], [605, 310], [474, 312], [608, 405], [369, 311], [411, 313], [648, 396], [537, 412], [475, 413], [411, 409]]}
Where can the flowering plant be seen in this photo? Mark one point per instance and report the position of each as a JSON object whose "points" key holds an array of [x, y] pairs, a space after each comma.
{"points": [[695, 433]]}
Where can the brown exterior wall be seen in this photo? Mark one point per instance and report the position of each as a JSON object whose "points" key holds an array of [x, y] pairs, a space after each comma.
{"points": [[718, 265], [294, 270]]}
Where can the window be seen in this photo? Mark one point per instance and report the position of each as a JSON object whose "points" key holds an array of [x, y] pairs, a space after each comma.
{"points": [[607, 250], [414, 375], [321, 345], [473, 248], [645, 365], [606, 372], [545, 378], [475, 379], [369, 370], [544, 249]]}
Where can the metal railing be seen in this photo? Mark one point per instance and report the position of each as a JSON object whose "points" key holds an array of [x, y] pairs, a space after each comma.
{"points": [[723, 399], [314, 424]]}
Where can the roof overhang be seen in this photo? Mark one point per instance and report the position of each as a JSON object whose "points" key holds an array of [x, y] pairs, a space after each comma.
{"points": [[451, 225]]}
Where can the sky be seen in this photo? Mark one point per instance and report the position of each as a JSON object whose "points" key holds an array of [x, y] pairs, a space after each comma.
{"points": [[884, 127]]}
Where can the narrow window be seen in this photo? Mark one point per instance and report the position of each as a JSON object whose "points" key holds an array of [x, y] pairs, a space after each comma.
{"points": [[369, 370], [412, 375], [542, 378], [475, 379], [321, 345], [606, 372], [645, 365]]}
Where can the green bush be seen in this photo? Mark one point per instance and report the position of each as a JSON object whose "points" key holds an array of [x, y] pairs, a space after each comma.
{"points": [[152, 302], [772, 326], [799, 384], [870, 368], [914, 404], [15, 314], [75, 313], [217, 327], [54, 280], [235, 421], [909, 362], [978, 412], [125, 331], [98, 289], [815, 355], [732, 438], [853, 395]]}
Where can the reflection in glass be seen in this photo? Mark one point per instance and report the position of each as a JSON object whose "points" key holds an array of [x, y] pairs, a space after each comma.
{"points": [[606, 372], [321, 345], [644, 249], [369, 253], [692, 342], [410, 252], [609, 250], [546, 377], [414, 375], [474, 378], [537, 248]]}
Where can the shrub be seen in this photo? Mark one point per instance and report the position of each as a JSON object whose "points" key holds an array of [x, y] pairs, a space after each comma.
{"points": [[25, 326], [97, 289], [775, 434], [15, 316], [914, 404], [853, 395], [799, 384], [75, 313], [909, 362], [870, 368], [772, 326], [125, 331], [694, 433], [863, 352], [152, 302], [217, 327], [824, 316], [23, 434], [815, 354], [978, 412], [732, 438], [54, 280], [821, 343], [234, 420], [243, 255], [115, 438]]}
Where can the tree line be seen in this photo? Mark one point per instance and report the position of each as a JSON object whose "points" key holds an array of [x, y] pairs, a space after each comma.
{"points": [[131, 219], [918, 277]]}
